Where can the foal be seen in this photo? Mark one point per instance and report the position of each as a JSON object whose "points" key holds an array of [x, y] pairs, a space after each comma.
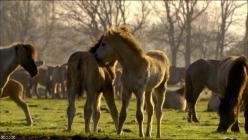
{"points": [[143, 74], [14, 91], [12, 57], [86, 73]]}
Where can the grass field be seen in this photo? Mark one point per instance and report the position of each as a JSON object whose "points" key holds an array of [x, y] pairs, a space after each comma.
{"points": [[50, 120]]}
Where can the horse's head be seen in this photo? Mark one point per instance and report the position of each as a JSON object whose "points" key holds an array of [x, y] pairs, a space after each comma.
{"points": [[104, 51], [25, 55]]}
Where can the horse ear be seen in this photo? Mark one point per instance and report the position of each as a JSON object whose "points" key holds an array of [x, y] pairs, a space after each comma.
{"points": [[30, 49]]}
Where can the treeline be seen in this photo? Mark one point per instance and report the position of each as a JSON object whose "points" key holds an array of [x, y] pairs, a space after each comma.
{"points": [[187, 30]]}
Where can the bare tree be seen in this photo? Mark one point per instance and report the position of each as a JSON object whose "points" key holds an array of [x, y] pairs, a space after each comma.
{"points": [[227, 11], [17, 21], [191, 13], [47, 24], [175, 28], [93, 17]]}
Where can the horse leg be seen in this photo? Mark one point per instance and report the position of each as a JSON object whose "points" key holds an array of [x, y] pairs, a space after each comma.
{"points": [[227, 117], [17, 99], [126, 96], [88, 108], [160, 97], [110, 100], [191, 98], [97, 111], [246, 112], [149, 110], [71, 107], [235, 126], [139, 110]]}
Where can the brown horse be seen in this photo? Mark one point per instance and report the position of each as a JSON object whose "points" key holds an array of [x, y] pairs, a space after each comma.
{"points": [[175, 99], [12, 57], [117, 84], [14, 91], [177, 75], [228, 78], [86, 73], [142, 74], [213, 103]]}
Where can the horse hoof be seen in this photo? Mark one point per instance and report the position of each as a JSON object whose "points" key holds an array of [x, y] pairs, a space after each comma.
{"points": [[189, 120], [29, 123], [236, 130], [141, 135], [148, 135], [221, 130], [196, 120]]}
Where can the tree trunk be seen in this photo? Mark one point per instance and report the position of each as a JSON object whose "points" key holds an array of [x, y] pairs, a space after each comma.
{"points": [[174, 57]]}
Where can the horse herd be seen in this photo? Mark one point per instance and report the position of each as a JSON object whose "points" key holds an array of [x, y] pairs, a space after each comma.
{"points": [[146, 74]]}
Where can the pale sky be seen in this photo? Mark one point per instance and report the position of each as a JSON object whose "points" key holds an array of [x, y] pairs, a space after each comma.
{"points": [[239, 16]]}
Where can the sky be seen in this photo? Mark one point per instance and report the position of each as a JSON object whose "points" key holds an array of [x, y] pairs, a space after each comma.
{"points": [[214, 8]]}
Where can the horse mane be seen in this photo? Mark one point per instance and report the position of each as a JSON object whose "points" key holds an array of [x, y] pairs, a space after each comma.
{"points": [[125, 34], [97, 44]]}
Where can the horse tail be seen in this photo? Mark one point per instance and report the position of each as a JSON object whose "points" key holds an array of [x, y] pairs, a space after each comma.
{"points": [[236, 83], [74, 74], [188, 91]]}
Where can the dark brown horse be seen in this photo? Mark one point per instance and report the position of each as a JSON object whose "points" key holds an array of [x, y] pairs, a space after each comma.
{"points": [[86, 73], [177, 75], [175, 99], [12, 57], [228, 78]]}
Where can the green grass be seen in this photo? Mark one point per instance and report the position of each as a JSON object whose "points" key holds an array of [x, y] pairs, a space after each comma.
{"points": [[50, 119]]}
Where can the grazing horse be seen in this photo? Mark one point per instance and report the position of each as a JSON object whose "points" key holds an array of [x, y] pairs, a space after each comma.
{"points": [[228, 78], [175, 99], [14, 91], [86, 73], [143, 74], [42, 78], [177, 75], [12, 57], [213, 103]]}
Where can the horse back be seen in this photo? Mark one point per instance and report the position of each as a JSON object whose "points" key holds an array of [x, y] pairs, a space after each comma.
{"points": [[83, 70], [159, 67]]}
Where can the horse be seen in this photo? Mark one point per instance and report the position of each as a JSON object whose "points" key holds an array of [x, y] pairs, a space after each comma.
{"points": [[42, 78], [23, 77], [175, 99], [177, 75], [58, 80], [143, 74], [228, 78], [14, 91], [213, 103], [13, 56], [117, 84], [86, 73]]}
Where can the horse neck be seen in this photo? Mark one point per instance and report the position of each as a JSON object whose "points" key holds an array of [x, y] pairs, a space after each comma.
{"points": [[8, 61], [129, 59]]}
